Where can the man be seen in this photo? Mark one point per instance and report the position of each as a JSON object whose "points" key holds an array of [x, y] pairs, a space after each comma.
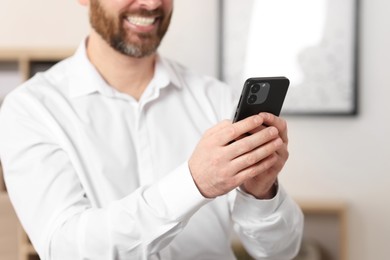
{"points": [[118, 153]]}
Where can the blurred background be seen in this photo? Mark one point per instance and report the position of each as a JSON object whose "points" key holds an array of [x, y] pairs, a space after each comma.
{"points": [[334, 160]]}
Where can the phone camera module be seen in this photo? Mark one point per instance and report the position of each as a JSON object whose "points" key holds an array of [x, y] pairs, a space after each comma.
{"points": [[258, 93], [255, 88], [252, 99]]}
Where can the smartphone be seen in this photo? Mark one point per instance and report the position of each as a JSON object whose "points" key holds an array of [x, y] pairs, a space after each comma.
{"points": [[265, 94]]}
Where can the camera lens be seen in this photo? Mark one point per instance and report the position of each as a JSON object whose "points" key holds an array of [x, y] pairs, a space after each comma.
{"points": [[255, 88], [252, 99]]}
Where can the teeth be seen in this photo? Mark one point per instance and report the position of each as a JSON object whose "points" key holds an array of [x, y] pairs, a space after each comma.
{"points": [[141, 21]]}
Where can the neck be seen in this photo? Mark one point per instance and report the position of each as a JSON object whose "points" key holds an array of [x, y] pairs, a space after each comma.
{"points": [[126, 74]]}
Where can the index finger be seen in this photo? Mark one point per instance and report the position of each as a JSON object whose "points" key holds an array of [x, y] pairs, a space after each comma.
{"points": [[278, 122], [237, 129]]}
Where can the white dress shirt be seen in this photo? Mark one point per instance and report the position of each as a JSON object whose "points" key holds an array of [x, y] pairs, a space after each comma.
{"points": [[95, 174]]}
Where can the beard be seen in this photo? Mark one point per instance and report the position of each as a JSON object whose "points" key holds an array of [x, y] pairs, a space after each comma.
{"points": [[132, 44]]}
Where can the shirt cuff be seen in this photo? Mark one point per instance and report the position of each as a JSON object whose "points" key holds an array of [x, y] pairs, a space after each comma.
{"points": [[246, 205], [180, 194]]}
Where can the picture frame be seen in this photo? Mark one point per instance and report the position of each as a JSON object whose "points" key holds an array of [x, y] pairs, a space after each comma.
{"points": [[314, 43]]}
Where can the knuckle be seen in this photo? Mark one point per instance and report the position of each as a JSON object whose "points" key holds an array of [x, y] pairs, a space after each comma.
{"points": [[222, 183], [268, 149], [244, 147], [231, 132], [252, 172], [250, 159], [266, 164], [253, 123]]}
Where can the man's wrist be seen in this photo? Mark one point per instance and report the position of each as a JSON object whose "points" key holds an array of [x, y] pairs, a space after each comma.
{"points": [[270, 194]]}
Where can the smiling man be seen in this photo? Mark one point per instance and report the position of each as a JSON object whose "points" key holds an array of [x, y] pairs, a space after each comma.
{"points": [[135, 32], [119, 153]]}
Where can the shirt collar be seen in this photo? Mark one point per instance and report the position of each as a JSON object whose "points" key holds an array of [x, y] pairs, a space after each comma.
{"points": [[165, 69], [85, 79]]}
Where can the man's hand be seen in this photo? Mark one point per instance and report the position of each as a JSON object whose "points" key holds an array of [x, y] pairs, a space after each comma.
{"points": [[224, 159], [262, 186]]}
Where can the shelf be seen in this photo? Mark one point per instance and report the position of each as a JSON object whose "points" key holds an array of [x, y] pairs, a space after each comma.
{"points": [[25, 58], [34, 54], [322, 206]]}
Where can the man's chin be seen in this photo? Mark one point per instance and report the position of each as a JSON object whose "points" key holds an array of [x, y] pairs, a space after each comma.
{"points": [[134, 51]]}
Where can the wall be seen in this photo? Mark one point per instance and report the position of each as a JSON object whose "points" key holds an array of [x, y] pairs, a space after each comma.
{"points": [[42, 23], [53, 24], [349, 158], [331, 158]]}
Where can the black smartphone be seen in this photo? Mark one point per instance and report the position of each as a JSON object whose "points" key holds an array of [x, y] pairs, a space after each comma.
{"points": [[265, 94]]}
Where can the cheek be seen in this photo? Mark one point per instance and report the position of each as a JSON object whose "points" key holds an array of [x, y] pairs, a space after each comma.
{"points": [[168, 6], [119, 2], [115, 6]]}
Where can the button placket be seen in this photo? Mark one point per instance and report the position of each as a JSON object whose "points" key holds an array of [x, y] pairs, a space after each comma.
{"points": [[144, 156]]}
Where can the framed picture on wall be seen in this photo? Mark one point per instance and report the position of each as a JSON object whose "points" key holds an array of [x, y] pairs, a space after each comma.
{"points": [[312, 42]]}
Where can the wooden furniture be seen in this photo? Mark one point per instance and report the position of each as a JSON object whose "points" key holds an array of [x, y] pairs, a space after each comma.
{"points": [[8, 227], [326, 226], [31, 61]]}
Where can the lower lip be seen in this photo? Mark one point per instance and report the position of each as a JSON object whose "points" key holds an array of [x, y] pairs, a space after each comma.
{"points": [[141, 29]]}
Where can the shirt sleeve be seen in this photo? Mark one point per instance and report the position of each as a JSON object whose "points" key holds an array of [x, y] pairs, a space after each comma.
{"points": [[268, 229], [60, 220]]}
